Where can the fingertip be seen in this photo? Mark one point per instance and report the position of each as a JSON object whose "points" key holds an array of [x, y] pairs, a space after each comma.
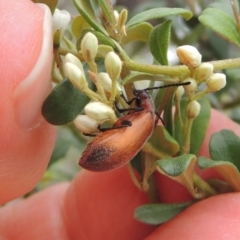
{"points": [[106, 202], [32, 91], [26, 138]]}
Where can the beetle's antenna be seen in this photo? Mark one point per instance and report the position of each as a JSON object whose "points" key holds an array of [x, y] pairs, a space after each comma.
{"points": [[169, 85]]}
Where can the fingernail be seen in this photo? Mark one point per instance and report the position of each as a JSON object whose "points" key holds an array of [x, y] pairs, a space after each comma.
{"points": [[31, 92]]}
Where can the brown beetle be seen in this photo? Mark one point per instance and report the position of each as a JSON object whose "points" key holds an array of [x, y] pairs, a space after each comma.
{"points": [[116, 146]]}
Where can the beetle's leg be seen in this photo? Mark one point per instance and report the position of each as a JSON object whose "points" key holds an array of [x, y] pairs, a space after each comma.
{"points": [[158, 118], [90, 134], [129, 102], [121, 110], [125, 123]]}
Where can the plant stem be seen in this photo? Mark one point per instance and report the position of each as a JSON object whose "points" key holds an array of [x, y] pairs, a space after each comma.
{"points": [[203, 185], [100, 89], [178, 114], [178, 71], [236, 15], [113, 92], [172, 71], [187, 136], [92, 95], [152, 190], [199, 95], [58, 61], [64, 51], [133, 177], [148, 148], [225, 64]]}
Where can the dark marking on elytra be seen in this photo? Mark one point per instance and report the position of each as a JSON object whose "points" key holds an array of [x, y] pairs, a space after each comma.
{"points": [[100, 154]]}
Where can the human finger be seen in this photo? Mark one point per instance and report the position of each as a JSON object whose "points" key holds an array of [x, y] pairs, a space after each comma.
{"points": [[26, 139]]}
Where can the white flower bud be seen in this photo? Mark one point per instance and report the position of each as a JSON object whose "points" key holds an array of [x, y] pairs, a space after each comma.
{"points": [[203, 72], [113, 65], [122, 20], [86, 124], [100, 112], [192, 87], [76, 76], [123, 17], [193, 109], [61, 19], [72, 59], [189, 56], [89, 47], [216, 82], [106, 82], [116, 15], [179, 92]]}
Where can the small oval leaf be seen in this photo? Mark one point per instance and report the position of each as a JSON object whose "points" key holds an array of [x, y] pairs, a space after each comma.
{"points": [[64, 103], [158, 13], [138, 32], [159, 213], [163, 142], [221, 23], [50, 3], [103, 50], [225, 145], [159, 41], [177, 166], [181, 169], [227, 170], [78, 25]]}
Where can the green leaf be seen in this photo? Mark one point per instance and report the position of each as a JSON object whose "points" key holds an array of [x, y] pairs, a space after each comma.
{"points": [[136, 163], [221, 23], [199, 127], [78, 25], [138, 32], [163, 142], [107, 12], [63, 104], [104, 39], [159, 213], [180, 169], [227, 170], [103, 50], [167, 106], [158, 13], [85, 9], [177, 166], [159, 41], [50, 3], [225, 145]]}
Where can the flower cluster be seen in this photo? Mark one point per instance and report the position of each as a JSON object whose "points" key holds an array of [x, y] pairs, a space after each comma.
{"points": [[200, 72], [99, 109]]}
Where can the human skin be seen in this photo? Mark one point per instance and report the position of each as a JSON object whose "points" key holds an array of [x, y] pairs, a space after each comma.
{"points": [[94, 205]]}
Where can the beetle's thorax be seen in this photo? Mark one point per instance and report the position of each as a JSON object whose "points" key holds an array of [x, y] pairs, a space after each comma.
{"points": [[144, 100]]}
